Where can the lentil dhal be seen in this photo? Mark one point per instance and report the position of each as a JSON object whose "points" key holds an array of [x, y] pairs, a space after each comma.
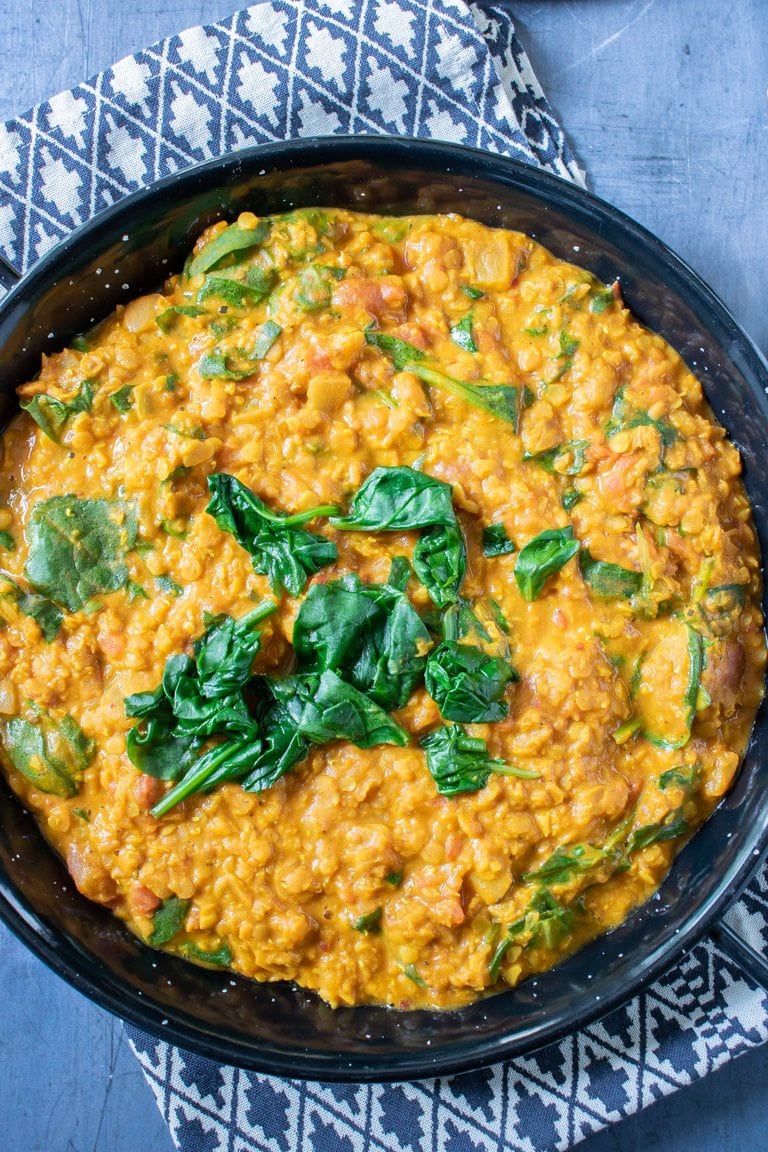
{"points": [[380, 607]]}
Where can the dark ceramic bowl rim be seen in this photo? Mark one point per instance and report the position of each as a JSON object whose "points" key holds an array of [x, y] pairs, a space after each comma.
{"points": [[101, 986]]}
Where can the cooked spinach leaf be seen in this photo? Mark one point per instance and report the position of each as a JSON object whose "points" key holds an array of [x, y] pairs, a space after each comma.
{"points": [[570, 498], [695, 653], [565, 863], [625, 416], [225, 652], [217, 366], [545, 920], [254, 287], [467, 684], [169, 586], [609, 581], [326, 708], [502, 400], [279, 547], [51, 414], [369, 634], [370, 922], [77, 547], [541, 558], [440, 561], [221, 957], [168, 920], [51, 754], [567, 459], [473, 293], [671, 828], [47, 615], [7, 541], [398, 499], [496, 542], [123, 398], [265, 338], [233, 240], [684, 776], [315, 284], [196, 699], [461, 334], [412, 973], [460, 763], [166, 319]]}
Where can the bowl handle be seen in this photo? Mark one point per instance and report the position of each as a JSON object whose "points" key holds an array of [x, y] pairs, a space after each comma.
{"points": [[743, 954], [8, 274]]}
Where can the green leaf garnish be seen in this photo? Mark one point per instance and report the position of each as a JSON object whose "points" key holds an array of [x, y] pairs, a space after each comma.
{"points": [[220, 957], [609, 581], [460, 763], [168, 920], [265, 338], [567, 459], [51, 754], [279, 547], [371, 922], [461, 334], [369, 634], [51, 414], [229, 242], [168, 585], [502, 400], [123, 398], [77, 548], [411, 972], [467, 684], [496, 542], [165, 320], [541, 558]]}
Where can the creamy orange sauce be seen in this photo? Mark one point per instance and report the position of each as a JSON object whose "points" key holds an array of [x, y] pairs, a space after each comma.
{"points": [[614, 440]]}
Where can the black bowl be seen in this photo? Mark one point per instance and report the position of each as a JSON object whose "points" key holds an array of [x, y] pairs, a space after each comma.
{"points": [[278, 1028]]}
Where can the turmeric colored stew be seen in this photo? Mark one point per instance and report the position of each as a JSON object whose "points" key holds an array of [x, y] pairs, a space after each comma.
{"points": [[380, 607]]}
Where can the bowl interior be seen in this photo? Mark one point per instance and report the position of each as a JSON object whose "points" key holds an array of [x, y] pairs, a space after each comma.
{"points": [[278, 1028]]}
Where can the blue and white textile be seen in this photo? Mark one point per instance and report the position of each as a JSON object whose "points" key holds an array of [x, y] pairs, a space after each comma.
{"points": [[431, 68]]}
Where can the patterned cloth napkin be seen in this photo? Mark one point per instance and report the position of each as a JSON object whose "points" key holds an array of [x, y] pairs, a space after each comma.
{"points": [[434, 68]]}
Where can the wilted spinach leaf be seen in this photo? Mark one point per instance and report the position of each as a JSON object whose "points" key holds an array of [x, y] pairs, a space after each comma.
{"points": [[51, 414], [326, 708], [541, 558], [280, 549], [165, 320], [496, 542], [467, 684], [221, 957], [77, 547], [609, 581], [440, 561], [168, 920], [196, 699], [671, 828], [398, 499], [225, 652], [369, 634], [502, 400], [565, 863], [231, 240], [52, 755], [460, 763], [254, 287], [571, 457], [47, 615], [461, 334]]}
